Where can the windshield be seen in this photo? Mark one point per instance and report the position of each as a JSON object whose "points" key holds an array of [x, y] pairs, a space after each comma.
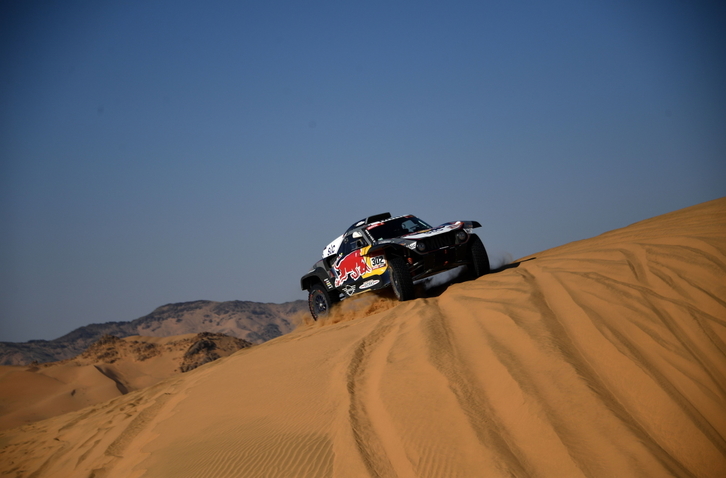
{"points": [[397, 227]]}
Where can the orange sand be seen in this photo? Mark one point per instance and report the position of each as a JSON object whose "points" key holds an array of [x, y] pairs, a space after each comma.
{"points": [[601, 358], [103, 372]]}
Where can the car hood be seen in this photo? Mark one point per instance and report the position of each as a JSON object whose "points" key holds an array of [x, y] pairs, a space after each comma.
{"points": [[449, 226]]}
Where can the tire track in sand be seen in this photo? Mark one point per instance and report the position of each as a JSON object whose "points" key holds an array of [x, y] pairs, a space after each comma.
{"points": [[381, 453], [472, 400]]}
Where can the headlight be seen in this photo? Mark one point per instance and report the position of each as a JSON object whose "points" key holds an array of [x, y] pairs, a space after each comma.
{"points": [[420, 246], [460, 236]]}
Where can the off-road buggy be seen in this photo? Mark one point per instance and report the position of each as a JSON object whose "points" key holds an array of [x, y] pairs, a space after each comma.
{"points": [[381, 251]]}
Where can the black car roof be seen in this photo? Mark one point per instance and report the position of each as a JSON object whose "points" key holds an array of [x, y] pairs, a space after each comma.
{"points": [[370, 220]]}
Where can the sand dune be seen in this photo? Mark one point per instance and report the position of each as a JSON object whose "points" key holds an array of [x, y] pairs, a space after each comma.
{"points": [[109, 368], [601, 358]]}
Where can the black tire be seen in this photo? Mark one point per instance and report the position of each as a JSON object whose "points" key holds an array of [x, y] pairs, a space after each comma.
{"points": [[319, 301], [401, 281], [479, 260]]}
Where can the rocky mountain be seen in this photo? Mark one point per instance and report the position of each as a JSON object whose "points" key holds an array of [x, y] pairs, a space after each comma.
{"points": [[254, 322]]}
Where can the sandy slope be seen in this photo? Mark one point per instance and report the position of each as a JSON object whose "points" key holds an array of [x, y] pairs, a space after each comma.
{"points": [[605, 357], [109, 368]]}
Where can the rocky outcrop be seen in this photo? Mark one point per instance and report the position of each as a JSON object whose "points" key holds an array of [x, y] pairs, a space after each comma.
{"points": [[208, 348]]}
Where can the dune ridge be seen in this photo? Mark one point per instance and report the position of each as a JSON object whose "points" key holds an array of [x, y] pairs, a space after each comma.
{"points": [[605, 357]]}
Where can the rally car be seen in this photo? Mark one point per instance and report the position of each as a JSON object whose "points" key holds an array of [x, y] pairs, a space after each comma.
{"points": [[382, 251]]}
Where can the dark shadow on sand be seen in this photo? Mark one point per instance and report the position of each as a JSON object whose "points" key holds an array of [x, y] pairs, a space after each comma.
{"points": [[426, 292]]}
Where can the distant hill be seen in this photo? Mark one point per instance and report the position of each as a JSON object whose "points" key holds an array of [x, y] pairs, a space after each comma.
{"points": [[252, 321], [109, 368]]}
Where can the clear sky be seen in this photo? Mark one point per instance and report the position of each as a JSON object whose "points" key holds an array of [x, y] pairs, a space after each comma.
{"points": [[163, 151]]}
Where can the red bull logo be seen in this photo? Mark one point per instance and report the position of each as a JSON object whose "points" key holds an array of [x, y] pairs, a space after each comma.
{"points": [[352, 266]]}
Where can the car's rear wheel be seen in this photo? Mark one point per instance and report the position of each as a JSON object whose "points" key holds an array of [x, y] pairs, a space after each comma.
{"points": [[479, 260], [401, 281], [319, 301]]}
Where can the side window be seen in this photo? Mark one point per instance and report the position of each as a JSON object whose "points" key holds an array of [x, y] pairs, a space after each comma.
{"points": [[345, 247], [351, 244]]}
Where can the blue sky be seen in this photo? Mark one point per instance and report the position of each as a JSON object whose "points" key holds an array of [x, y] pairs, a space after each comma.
{"points": [[163, 151]]}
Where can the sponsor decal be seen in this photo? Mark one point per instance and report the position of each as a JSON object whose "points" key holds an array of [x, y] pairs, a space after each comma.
{"points": [[333, 247], [352, 266], [369, 283], [378, 261], [328, 284], [349, 289]]}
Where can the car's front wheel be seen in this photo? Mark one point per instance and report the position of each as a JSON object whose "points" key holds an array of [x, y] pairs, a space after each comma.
{"points": [[319, 301], [401, 279], [479, 260]]}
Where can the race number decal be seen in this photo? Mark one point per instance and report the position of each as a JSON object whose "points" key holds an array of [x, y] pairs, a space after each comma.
{"points": [[378, 261]]}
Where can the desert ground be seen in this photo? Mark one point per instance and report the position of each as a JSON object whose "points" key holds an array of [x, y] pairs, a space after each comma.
{"points": [[601, 358], [111, 367]]}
